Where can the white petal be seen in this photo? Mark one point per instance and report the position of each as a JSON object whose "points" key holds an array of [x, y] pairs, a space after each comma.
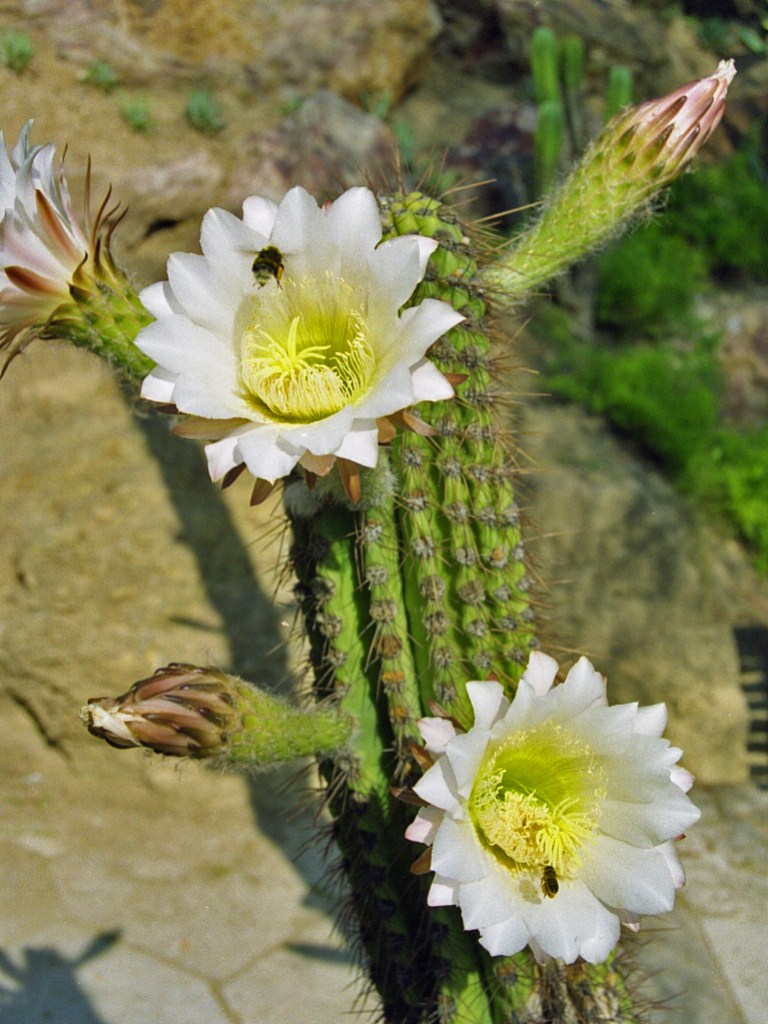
{"points": [[442, 893], [361, 444], [489, 901], [436, 733], [651, 720], [222, 456], [259, 214], [587, 682], [682, 778], [355, 225], [158, 385], [572, 922], [419, 327], [438, 786], [623, 876], [207, 302], [488, 702], [395, 269], [465, 754], [540, 673], [267, 455], [506, 938], [159, 299], [300, 230], [456, 853], [429, 385], [424, 826]]}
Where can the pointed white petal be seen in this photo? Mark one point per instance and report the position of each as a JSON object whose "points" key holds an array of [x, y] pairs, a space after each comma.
{"points": [[488, 702], [436, 733]]}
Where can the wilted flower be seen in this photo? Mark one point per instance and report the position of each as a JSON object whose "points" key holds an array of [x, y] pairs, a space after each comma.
{"points": [[41, 242], [551, 820], [285, 339]]}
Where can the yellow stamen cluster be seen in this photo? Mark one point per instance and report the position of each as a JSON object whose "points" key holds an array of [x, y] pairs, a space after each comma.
{"points": [[536, 800], [305, 352]]}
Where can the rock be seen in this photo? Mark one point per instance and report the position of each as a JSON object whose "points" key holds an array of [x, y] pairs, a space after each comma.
{"points": [[328, 144], [375, 47], [645, 590], [743, 351]]}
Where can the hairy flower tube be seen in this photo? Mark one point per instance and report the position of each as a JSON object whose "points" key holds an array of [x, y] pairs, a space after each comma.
{"points": [[550, 821], [285, 340], [41, 242]]}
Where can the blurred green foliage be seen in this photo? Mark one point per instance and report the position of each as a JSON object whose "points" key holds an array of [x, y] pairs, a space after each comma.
{"points": [[667, 399], [204, 112], [715, 223], [136, 111], [102, 76], [16, 50]]}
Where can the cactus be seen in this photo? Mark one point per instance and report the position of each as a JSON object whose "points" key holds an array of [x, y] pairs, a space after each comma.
{"points": [[411, 577]]}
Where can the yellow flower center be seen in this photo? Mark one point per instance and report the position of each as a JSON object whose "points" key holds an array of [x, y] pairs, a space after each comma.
{"points": [[536, 800], [305, 352]]}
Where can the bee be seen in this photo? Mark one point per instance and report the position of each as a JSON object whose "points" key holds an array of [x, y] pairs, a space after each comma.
{"points": [[549, 883], [268, 263]]}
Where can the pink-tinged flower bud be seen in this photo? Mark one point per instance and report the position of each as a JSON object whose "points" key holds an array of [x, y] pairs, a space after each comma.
{"points": [[184, 711], [181, 710], [663, 135], [639, 152]]}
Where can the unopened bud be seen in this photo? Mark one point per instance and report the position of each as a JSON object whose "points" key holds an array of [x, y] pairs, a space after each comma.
{"points": [[639, 152], [661, 137], [185, 711], [181, 710]]}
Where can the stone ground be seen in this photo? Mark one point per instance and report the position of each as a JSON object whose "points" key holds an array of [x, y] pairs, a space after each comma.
{"points": [[134, 891]]}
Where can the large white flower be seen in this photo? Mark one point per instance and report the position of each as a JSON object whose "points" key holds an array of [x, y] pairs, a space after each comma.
{"points": [[286, 335], [41, 242], [551, 820]]}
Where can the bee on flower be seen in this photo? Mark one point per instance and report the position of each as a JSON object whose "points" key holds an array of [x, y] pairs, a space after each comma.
{"points": [[551, 820], [310, 368]]}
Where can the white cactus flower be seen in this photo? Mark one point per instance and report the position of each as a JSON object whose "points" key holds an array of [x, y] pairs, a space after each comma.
{"points": [[41, 242], [286, 339], [551, 821]]}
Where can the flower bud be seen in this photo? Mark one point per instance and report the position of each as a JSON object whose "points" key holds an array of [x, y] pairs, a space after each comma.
{"points": [[639, 152], [185, 711]]}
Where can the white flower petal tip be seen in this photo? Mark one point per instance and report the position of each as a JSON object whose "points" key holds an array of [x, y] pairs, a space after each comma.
{"points": [[291, 325], [551, 819], [436, 733]]}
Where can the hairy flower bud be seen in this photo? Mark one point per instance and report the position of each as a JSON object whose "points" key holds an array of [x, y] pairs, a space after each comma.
{"points": [[185, 711], [639, 152]]}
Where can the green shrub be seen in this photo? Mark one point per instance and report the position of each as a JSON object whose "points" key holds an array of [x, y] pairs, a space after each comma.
{"points": [[137, 112], [723, 211], [102, 76], [16, 50], [730, 477], [204, 113], [647, 282]]}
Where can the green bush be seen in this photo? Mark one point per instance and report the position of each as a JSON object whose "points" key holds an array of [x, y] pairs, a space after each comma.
{"points": [[730, 477], [137, 112], [646, 283], [723, 211], [203, 112], [666, 400], [16, 50], [102, 76]]}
